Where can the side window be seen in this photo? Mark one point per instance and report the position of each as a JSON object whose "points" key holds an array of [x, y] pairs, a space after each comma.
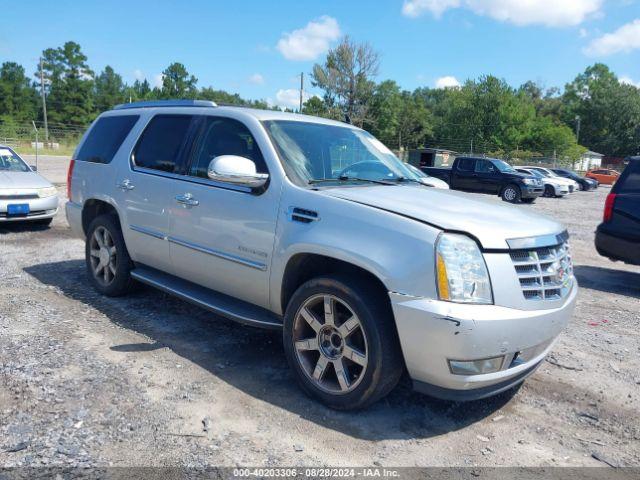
{"points": [[467, 164], [224, 136], [105, 138], [161, 142], [484, 166]]}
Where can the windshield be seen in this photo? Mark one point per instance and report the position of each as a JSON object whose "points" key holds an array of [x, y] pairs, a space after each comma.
{"points": [[503, 166], [11, 162], [535, 173], [312, 152], [544, 173]]}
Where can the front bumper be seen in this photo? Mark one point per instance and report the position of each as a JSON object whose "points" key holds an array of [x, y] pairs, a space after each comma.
{"points": [[432, 332], [531, 191], [561, 190], [39, 209]]}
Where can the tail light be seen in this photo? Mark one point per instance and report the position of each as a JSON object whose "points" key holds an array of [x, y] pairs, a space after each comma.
{"points": [[69, 177], [608, 207]]}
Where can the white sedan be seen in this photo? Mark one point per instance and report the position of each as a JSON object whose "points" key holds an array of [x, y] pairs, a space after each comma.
{"points": [[24, 195]]}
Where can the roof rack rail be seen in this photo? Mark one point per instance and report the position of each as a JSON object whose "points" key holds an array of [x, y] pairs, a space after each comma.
{"points": [[166, 103]]}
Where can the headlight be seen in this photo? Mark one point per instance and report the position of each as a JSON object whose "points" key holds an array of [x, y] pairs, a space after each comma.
{"points": [[529, 181], [460, 270], [47, 192]]}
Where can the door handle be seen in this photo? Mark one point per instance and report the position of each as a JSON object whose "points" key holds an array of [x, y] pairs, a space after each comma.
{"points": [[187, 200], [125, 185]]}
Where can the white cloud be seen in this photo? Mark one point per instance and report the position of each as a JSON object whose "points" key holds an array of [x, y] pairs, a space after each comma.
{"points": [[290, 98], [447, 82], [624, 39], [629, 81], [583, 32], [552, 13], [157, 80], [415, 8], [256, 79], [138, 75], [309, 42]]}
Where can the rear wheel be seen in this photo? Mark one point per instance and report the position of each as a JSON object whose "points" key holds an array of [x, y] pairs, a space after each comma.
{"points": [[341, 342], [511, 194], [107, 259]]}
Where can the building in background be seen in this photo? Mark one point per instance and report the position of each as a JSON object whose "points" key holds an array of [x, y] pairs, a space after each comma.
{"points": [[589, 160], [431, 157]]}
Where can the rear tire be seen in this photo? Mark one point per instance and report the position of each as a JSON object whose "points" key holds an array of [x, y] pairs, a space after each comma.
{"points": [[341, 342], [511, 194], [106, 256]]}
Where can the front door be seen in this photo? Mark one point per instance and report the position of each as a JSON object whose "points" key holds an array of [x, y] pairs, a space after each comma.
{"points": [[488, 177], [222, 236]]}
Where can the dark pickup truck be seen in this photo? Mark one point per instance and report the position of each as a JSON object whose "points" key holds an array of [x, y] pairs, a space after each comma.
{"points": [[489, 175]]}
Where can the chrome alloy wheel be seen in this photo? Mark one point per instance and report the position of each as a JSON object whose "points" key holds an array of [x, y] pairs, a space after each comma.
{"points": [[510, 194], [330, 344], [103, 256]]}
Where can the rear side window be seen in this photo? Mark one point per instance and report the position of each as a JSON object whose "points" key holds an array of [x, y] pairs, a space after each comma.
{"points": [[466, 164], [161, 143], [630, 183], [105, 138]]}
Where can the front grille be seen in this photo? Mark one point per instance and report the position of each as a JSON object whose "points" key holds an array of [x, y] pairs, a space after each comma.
{"points": [[545, 273], [19, 196]]}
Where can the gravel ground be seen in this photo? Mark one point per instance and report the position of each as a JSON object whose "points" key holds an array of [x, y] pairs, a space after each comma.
{"points": [[149, 380]]}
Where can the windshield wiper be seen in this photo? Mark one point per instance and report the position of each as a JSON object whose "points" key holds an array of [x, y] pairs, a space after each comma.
{"points": [[344, 178]]}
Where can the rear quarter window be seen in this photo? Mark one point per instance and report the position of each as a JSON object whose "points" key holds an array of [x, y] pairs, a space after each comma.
{"points": [[466, 164], [630, 182], [105, 138]]}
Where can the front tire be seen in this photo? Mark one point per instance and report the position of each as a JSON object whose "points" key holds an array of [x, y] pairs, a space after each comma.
{"points": [[511, 194], [549, 191], [106, 256], [340, 340]]}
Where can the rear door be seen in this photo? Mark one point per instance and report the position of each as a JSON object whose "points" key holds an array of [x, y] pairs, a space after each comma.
{"points": [[463, 175], [626, 211], [146, 187]]}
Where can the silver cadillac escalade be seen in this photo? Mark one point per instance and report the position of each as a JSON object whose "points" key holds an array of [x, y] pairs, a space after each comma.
{"points": [[314, 227]]}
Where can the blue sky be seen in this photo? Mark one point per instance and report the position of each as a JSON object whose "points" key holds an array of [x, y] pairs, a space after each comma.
{"points": [[257, 48]]}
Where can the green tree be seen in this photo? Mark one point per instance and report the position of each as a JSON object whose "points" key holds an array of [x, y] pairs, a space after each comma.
{"points": [[346, 78], [177, 82], [70, 85], [316, 106], [109, 89], [609, 111], [18, 99]]}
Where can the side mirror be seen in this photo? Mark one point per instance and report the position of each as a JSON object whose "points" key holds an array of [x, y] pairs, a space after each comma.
{"points": [[236, 170], [33, 167]]}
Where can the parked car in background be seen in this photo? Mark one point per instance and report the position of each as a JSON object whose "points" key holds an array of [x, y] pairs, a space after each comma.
{"points": [[618, 236], [489, 175], [547, 172], [251, 215], [552, 187], [584, 183], [603, 175], [24, 195], [428, 179]]}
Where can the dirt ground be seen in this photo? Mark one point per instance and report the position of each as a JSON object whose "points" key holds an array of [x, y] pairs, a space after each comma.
{"points": [[148, 380]]}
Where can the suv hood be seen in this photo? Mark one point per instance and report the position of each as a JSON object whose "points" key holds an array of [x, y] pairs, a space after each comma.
{"points": [[490, 222]]}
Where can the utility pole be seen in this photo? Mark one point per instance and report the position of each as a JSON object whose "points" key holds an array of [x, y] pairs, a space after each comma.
{"points": [[36, 130], [578, 129], [301, 90], [472, 146], [44, 105]]}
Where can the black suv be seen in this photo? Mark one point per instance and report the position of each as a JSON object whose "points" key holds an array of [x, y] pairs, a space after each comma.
{"points": [[618, 236]]}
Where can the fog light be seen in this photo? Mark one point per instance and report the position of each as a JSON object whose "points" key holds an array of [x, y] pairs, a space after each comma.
{"points": [[476, 367]]}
